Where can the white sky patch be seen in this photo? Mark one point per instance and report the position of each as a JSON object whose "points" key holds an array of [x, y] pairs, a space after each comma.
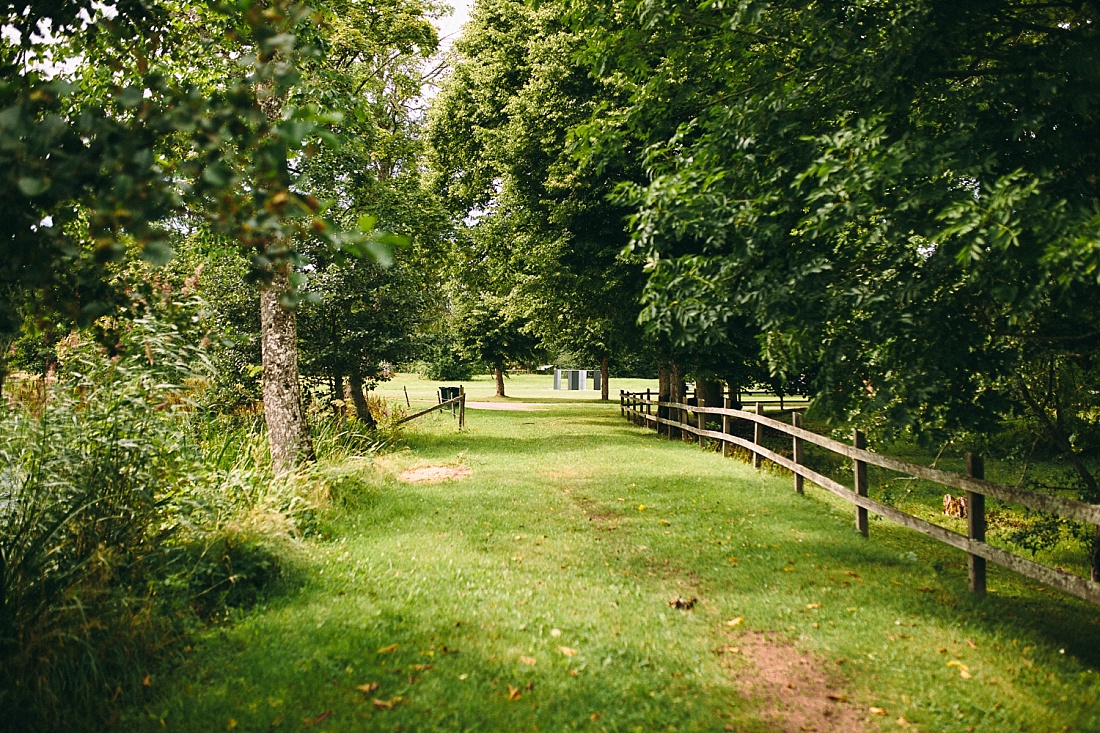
{"points": [[450, 26]]}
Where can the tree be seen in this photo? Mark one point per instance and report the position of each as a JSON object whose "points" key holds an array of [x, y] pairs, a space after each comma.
{"points": [[112, 169], [901, 196], [364, 320], [494, 334], [549, 238], [104, 171]]}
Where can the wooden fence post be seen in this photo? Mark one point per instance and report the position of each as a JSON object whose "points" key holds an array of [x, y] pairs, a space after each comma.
{"points": [[461, 407], [859, 440], [622, 403], [796, 448], [648, 408], [702, 426], [975, 523], [757, 434], [726, 428]]}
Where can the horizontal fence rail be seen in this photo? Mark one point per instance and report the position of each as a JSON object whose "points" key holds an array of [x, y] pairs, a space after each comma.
{"points": [[456, 402], [645, 409]]}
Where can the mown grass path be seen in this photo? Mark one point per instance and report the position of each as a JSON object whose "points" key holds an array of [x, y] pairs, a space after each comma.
{"points": [[534, 595]]}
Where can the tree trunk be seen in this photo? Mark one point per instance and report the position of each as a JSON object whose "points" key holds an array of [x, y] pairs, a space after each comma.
{"points": [[708, 393], [676, 394], [287, 430], [362, 408], [604, 390], [500, 380], [664, 393], [339, 396], [734, 394]]}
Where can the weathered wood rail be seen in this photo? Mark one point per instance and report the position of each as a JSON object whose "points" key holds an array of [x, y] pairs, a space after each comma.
{"points": [[643, 408], [459, 402]]}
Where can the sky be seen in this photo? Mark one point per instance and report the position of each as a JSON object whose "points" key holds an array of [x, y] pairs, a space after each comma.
{"points": [[450, 26]]}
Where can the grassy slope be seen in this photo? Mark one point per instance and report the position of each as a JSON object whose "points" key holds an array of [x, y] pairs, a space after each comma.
{"points": [[537, 540]]}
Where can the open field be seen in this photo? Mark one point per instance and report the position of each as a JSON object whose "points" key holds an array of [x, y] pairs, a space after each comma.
{"points": [[534, 595], [519, 387]]}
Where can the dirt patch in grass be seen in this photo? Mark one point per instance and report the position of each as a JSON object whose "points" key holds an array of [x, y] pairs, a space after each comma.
{"points": [[433, 474], [795, 692]]}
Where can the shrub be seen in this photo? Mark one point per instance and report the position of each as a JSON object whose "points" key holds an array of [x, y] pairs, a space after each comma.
{"points": [[87, 472]]}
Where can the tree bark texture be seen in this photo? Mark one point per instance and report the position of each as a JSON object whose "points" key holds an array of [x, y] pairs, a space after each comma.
{"points": [[664, 392], [604, 390], [708, 393], [500, 380], [362, 408], [287, 429], [734, 394], [676, 394], [339, 396]]}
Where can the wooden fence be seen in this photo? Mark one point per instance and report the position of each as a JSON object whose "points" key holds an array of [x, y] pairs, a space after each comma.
{"points": [[458, 403], [644, 409]]}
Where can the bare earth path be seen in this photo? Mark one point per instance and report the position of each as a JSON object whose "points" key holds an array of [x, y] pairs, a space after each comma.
{"points": [[560, 570]]}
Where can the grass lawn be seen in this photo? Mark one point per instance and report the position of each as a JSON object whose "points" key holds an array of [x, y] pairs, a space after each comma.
{"points": [[517, 387], [534, 596]]}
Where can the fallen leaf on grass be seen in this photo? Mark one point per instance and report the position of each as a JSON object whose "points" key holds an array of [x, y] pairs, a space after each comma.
{"points": [[903, 722], [808, 728], [641, 507], [528, 660], [231, 724], [877, 711], [813, 605], [387, 704], [421, 667], [367, 688], [735, 621], [555, 633], [849, 572], [513, 694], [837, 698], [594, 717], [970, 644], [388, 649], [567, 651], [685, 603], [665, 522], [1027, 661], [957, 663], [309, 722], [573, 673], [147, 681], [964, 674]]}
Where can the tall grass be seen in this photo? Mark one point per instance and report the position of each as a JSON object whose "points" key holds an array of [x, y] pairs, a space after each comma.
{"points": [[130, 513], [89, 465]]}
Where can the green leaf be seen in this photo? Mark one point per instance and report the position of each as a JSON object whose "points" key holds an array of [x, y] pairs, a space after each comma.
{"points": [[381, 252], [129, 97], [32, 187], [218, 175], [158, 253]]}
